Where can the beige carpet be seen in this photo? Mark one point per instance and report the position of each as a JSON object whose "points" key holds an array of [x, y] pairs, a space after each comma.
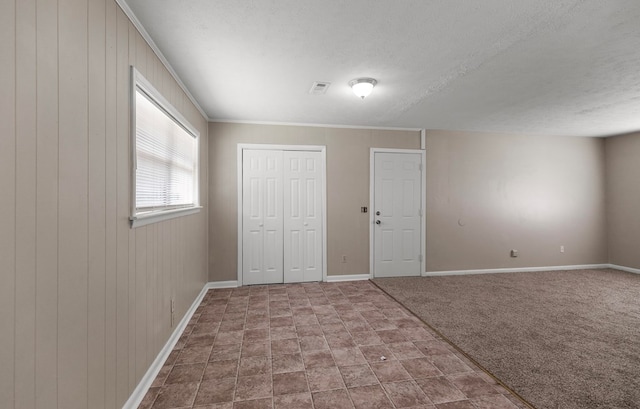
{"points": [[561, 339]]}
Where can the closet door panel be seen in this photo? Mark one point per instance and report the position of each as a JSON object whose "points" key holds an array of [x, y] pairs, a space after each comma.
{"points": [[262, 223], [302, 216]]}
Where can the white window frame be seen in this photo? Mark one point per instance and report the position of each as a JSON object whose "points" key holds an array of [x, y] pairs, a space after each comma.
{"points": [[138, 82]]}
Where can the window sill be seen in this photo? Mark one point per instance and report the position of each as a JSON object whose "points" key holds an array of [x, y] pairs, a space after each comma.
{"points": [[144, 219]]}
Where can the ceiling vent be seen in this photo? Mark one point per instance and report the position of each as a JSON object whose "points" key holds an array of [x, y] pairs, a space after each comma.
{"points": [[319, 88]]}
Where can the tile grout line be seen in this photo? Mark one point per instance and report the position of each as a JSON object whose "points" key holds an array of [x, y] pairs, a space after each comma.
{"points": [[324, 313]]}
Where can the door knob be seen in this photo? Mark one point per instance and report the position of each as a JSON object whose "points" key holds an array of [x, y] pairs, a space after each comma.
{"points": [[306, 224], [378, 222], [261, 224]]}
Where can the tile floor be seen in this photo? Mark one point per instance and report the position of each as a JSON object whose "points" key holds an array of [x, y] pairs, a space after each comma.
{"points": [[319, 345]]}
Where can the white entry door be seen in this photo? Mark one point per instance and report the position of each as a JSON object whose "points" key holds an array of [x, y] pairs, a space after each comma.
{"points": [[262, 222], [397, 214], [302, 216]]}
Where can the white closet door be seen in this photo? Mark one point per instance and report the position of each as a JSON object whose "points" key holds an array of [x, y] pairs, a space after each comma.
{"points": [[303, 242], [262, 223]]}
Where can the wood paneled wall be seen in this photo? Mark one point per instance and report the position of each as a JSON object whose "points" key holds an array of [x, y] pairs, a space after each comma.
{"points": [[84, 299]]}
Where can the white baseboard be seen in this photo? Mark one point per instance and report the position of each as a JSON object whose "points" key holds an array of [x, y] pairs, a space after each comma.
{"points": [[221, 284], [352, 277], [148, 378], [623, 268], [515, 270], [330, 279]]}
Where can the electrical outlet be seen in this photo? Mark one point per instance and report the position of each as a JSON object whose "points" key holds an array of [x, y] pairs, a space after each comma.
{"points": [[514, 253], [561, 249], [344, 258]]}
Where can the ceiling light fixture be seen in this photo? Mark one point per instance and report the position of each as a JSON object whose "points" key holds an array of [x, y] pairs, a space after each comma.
{"points": [[362, 87]]}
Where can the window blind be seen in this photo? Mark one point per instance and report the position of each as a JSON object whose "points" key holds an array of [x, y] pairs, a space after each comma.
{"points": [[166, 159]]}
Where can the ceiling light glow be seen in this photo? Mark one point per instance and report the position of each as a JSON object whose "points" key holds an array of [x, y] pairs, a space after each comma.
{"points": [[362, 87]]}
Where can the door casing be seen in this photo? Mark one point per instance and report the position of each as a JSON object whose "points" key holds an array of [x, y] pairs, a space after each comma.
{"points": [[423, 205], [323, 190]]}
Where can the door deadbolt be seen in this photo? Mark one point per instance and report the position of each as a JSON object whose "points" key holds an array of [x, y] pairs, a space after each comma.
{"points": [[378, 213]]}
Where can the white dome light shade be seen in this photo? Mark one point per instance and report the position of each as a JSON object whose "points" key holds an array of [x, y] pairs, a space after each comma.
{"points": [[362, 87]]}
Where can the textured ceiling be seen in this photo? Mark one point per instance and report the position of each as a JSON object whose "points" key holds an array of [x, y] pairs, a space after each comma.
{"points": [[548, 67]]}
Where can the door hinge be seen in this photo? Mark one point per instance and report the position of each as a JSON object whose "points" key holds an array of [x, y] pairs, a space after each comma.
{"points": [[420, 258], [420, 167], [420, 212]]}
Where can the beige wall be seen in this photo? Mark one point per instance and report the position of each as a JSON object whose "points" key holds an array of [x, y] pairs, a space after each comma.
{"points": [[623, 199], [84, 299], [347, 188], [488, 194]]}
